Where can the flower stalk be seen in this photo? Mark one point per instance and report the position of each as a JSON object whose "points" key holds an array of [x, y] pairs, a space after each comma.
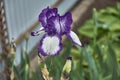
{"points": [[12, 51], [45, 72]]}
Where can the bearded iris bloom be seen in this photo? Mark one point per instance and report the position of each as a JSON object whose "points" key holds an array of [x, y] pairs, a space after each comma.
{"points": [[54, 26]]}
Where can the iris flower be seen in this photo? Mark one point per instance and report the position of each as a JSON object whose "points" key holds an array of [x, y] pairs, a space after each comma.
{"points": [[54, 27]]}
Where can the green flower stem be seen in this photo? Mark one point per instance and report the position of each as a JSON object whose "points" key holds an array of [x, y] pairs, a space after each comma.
{"points": [[96, 25], [13, 52]]}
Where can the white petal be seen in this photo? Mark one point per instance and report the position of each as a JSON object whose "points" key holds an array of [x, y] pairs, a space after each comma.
{"points": [[74, 38], [50, 45]]}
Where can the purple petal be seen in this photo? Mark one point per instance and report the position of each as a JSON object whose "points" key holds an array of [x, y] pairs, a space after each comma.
{"points": [[65, 22], [61, 23], [46, 14], [54, 22], [50, 45], [51, 12], [74, 38]]}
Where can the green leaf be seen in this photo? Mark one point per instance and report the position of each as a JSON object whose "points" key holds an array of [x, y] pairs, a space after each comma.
{"points": [[91, 63], [106, 18], [87, 29], [115, 25], [113, 62], [100, 56], [109, 10]]}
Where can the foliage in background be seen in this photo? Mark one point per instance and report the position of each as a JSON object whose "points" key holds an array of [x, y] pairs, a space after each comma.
{"points": [[98, 60]]}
